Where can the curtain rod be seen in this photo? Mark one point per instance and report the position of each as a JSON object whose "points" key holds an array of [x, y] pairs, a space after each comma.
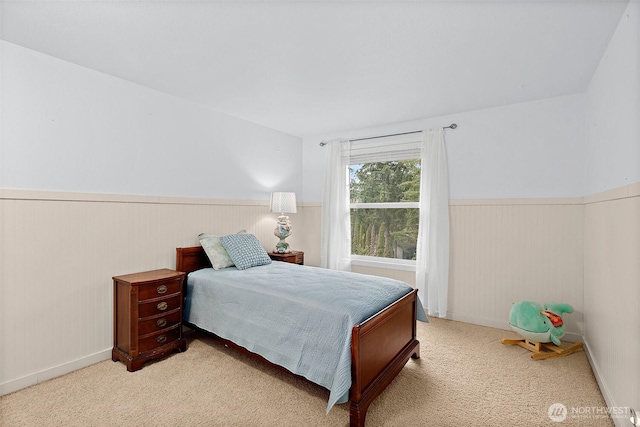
{"points": [[451, 126]]}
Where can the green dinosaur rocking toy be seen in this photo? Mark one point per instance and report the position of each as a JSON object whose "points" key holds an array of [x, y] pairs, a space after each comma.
{"points": [[541, 328]]}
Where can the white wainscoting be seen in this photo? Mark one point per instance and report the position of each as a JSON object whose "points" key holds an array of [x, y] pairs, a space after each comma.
{"points": [[612, 294], [502, 251], [59, 251]]}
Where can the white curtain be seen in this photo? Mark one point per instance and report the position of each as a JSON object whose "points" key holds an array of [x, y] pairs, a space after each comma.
{"points": [[336, 228], [432, 263]]}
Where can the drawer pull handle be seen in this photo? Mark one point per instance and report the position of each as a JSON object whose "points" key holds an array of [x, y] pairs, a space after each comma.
{"points": [[161, 339], [162, 306], [162, 289], [162, 322]]}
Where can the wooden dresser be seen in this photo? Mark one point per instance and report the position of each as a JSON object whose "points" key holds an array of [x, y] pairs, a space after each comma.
{"points": [[295, 257], [147, 316]]}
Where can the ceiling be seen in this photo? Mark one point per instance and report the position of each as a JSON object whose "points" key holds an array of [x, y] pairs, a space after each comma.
{"points": [[308, 68]]}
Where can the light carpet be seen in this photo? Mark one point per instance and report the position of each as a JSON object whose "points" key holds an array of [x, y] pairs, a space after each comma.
{"points": [[465, 377]]}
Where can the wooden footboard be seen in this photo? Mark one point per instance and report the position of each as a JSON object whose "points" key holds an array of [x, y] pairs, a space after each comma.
{"points": [[381, 346]]}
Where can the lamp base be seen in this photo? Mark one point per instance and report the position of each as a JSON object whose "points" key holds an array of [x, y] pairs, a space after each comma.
{"points": [[282, 247], [282, 231]]}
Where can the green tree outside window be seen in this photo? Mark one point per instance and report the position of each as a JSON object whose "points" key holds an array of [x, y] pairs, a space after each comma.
{"points": [[390, 230]]}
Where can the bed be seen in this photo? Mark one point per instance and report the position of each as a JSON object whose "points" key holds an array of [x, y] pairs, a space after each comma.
{"points": [[379, 346]]}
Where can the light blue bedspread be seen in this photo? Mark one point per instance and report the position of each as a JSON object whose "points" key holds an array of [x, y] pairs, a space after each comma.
{"points": [[295, 316]]}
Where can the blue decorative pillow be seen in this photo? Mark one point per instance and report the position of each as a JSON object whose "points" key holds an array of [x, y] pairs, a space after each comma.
{"points": [[245, 250]]}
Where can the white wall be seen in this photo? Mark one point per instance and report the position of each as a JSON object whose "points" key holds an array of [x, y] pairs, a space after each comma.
{"points": [[69, 133], [612, 218], [68, 128], [529, 150], [613, 139]]}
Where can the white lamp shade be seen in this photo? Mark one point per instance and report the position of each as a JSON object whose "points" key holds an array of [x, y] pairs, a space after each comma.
{"points": [[283, 202]]}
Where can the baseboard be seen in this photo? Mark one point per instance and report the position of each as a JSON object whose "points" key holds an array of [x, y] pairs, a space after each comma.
{"points": [[56, 371]]}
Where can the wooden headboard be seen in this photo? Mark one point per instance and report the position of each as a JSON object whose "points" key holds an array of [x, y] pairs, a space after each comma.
{"points": [[191, 259]]}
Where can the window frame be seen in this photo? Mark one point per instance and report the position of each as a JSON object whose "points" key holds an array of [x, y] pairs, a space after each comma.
{"points": [[386, 263]]}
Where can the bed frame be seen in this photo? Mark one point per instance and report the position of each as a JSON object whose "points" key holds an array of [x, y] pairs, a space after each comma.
{"points": [[380, 346]]}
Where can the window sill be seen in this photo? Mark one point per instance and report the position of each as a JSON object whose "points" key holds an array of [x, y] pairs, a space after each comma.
{"points": [[386, 263]]}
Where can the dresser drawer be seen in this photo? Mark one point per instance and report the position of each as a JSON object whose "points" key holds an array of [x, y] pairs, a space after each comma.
{"points": [[158, 340], [146, 309], [293, 257], [158, 323], [157, 290]]}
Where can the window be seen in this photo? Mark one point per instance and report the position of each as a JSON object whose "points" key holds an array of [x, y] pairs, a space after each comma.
{"points": [[384, 188]]}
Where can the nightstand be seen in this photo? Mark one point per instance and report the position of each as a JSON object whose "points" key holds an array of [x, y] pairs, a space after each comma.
{"points": [[295, 257], [147, 316]]}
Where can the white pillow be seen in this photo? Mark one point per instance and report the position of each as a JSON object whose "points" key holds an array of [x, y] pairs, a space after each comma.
{"points": [[215, 251]]}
